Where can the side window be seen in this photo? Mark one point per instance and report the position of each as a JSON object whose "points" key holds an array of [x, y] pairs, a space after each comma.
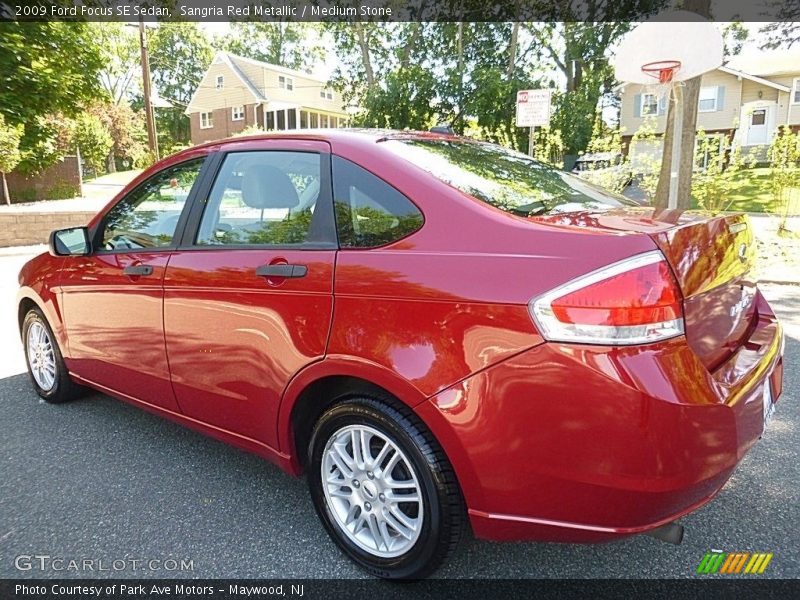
{"points": [[148, 216], [263, 198], [369, 212]]}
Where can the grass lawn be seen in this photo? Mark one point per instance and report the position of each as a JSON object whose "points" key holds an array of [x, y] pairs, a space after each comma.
{"points": [[756, 196]]}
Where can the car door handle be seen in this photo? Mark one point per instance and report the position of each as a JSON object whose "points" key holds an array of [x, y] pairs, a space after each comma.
{"points": [[282, 271], [138, 270]]}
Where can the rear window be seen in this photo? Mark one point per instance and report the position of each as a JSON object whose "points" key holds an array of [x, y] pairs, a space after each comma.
{"points": [[505, 179]]}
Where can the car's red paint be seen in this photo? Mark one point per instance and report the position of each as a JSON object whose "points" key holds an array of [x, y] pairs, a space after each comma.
{"points": [[549, 440]]}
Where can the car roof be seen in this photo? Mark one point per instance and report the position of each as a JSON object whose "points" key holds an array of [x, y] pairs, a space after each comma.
{"points": [[333, 135]]}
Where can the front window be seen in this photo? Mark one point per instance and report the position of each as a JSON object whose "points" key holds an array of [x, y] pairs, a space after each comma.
{"points": [[649, 104], [237, 113], [262, 198], [505, 179], [708, 99], [148, 216], [796, 91], [220, 82], [206, 120]]}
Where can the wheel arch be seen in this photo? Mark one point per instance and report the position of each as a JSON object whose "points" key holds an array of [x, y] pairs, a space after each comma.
{"points": [[325, 382]]}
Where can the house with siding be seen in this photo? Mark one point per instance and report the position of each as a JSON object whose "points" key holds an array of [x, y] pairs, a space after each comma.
{"points": [[237, 92], [746, 100]]}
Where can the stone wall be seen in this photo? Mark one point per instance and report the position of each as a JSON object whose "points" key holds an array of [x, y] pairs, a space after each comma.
{"points": [[25, 228]]}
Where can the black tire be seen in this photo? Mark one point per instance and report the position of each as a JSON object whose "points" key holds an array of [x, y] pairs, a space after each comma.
{"points": [[63, 389], [444, 518]]}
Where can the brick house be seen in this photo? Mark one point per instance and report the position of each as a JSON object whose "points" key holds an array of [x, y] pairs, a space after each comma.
{"points": [[236, 93]]}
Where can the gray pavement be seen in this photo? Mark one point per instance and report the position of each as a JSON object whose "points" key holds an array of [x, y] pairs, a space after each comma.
{"points": [[100, 480]]}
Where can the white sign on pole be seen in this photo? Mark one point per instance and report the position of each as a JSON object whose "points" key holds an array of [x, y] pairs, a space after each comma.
{"points": [[533, 108]]}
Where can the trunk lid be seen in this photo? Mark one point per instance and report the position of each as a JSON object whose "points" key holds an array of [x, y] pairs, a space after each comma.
{"points": [[712, 258]]}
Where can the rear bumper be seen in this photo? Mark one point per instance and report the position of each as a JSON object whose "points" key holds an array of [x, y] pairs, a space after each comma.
{"points": [[586, 443]]}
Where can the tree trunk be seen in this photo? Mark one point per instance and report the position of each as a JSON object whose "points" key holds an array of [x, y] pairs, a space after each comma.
{"points": [[512, 51], [363, 44], [691, 95], [111, 164], [6, 195]]}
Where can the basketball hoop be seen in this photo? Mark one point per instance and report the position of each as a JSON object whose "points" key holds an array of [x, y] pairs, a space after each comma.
{"points": [[663, 70]]}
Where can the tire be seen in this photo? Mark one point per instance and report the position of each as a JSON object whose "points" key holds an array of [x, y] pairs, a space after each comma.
{"points": [[371, 498], [41, 347]]}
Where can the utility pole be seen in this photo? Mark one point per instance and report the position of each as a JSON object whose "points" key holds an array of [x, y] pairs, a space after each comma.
{"points": [[152, 139]]}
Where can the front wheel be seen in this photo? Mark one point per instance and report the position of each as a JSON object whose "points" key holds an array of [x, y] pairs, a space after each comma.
{"points": [[46, 366], [384, 489]]}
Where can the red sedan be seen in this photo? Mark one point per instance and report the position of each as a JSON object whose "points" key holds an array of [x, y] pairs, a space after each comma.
{"points": [[440, 333]]}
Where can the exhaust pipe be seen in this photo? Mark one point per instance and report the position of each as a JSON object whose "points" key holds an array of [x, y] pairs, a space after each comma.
{"points": [[672, 533]]}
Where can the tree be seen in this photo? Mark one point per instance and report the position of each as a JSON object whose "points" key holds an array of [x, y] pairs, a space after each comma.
{"points": [[734, 36], [720, 175], [287, 44], [93, 140], [10, 137], [577, 41], [689, 98], [48, 69], [127, 130], [120, 53], [180, 54], [785, 32]]}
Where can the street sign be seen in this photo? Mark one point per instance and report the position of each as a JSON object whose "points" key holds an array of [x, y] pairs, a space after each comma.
{"points": [[533, 108]]}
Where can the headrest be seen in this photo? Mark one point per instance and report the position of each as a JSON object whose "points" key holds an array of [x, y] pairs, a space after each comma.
{"points": [[265, 186]]}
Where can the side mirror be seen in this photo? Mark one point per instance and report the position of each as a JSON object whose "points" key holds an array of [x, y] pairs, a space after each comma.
{"points": [[70, 242]]}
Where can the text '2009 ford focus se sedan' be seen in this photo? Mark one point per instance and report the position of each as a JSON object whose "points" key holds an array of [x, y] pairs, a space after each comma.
{"points": [[440, 333]]}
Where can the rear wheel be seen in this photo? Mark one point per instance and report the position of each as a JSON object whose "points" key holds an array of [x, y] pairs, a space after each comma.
{"points": [[46, 367], [384, 489]]}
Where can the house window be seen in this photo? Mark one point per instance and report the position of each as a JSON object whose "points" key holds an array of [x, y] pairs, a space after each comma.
{"points": [[206, 120], [327, 94], [237, 113], [220, 82], [649, 105], [796, 91], [759, 117], [285, 83], [708, 99], [303, 119], [314, 120]]}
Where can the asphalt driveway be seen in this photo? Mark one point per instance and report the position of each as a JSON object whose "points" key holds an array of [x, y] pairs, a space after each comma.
{"points": [[100, 480]]}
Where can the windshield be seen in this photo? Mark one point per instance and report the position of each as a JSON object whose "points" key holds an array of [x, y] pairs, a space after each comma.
{"points": [[506, 179]]}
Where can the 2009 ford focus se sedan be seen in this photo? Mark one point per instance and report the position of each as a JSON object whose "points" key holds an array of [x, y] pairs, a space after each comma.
{"points": [[440, 333]]}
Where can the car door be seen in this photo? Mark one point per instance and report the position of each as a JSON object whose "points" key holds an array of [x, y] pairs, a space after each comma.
{"points": [[113, 298], [249, 293]]}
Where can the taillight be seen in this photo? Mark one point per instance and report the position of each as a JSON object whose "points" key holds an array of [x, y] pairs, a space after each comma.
{"points": [[634, 301]]}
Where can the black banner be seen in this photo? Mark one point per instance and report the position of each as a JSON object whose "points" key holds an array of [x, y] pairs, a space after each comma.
{"points": [[382, 10], [463, 589]]}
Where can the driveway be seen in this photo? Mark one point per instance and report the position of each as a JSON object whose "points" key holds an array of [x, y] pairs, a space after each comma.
{"points": [[102, 480]]}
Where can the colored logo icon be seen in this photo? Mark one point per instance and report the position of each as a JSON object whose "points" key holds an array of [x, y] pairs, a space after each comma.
{"points": [[734, 563]]}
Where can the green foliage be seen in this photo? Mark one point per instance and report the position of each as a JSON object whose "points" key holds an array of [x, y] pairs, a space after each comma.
{"points": [[10, 137], [287, 44], [127, 130], [616, 176], [784, 154], [49, 71], [47, 140], [93, 139], [717, 173], [119, 47], [734, 36], [180, 53], [549, 147]]}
